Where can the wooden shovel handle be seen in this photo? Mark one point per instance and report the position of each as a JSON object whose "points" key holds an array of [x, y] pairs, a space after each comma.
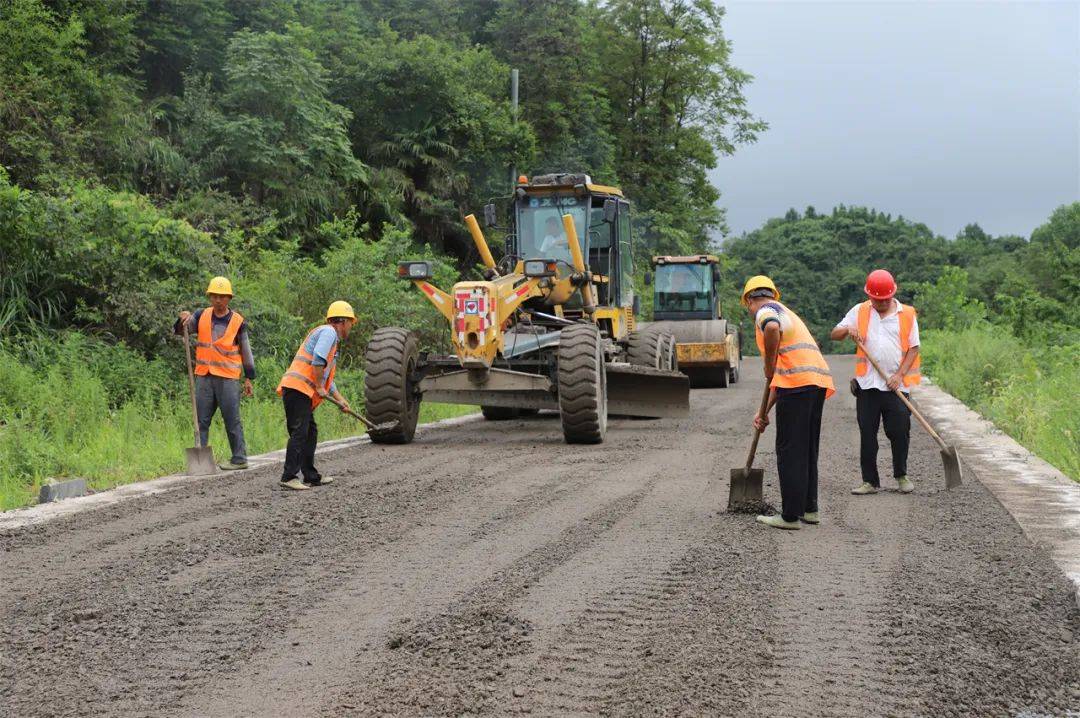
{"points": [[191, 384], [350, 412], [757, 434], [907, 402]]}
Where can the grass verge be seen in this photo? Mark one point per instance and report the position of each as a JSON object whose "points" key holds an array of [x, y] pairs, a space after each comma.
{"points": [[80, 408], [1027, 392]]}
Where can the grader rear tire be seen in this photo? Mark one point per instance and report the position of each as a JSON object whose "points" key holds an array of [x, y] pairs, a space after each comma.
{"points": [[582, 385], [669, 357], [645, 348], [389, 394]]}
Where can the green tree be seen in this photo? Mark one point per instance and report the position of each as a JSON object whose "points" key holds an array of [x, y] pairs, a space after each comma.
{"points": [[434, 123], [276, 137], [562, 95], [677, 103]]}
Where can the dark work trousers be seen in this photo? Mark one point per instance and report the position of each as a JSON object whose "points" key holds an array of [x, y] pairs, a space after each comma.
{"points": [[213, 393], [872, 407], [303, 436], [798, 433]]}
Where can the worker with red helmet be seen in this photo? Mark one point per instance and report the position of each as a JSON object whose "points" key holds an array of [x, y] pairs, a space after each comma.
{"points": [[890, 332]]}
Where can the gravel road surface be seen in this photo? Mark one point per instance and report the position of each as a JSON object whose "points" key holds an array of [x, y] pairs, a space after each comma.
{"points": [[490, 568]]}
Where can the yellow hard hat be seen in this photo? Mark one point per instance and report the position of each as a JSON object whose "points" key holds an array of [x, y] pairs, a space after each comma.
{"points": [[340, 309], [758, 282], [220, 285]]}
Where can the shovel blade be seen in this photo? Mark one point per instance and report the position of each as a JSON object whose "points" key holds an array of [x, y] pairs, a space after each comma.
{"points": [[745, 487], [200, 461], [951, 461]]}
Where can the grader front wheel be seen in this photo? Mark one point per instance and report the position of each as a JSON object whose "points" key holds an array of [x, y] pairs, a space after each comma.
{"points": [[582, 385], [389, 394]]}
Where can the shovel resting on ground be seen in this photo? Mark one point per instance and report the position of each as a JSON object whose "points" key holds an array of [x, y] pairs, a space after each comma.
{"points": [[200, 459], [746, 481], [949, 458]]}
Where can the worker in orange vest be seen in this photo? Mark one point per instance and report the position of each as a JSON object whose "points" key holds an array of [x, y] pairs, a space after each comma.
{"points": [[800, 381], [308, 380], [222, 355], [890, 332]]}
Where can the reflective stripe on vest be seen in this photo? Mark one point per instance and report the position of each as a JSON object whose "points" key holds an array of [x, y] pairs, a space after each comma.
{"points": [[906, 317], [301, 372], [221, 357], [798, 360]]}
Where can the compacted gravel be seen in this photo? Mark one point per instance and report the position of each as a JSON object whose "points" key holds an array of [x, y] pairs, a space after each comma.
{"points": [[490, 568]]}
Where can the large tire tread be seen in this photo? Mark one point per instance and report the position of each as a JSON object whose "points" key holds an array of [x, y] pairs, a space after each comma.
{"points": [[645, 348], [386, 385], [582, 386]]}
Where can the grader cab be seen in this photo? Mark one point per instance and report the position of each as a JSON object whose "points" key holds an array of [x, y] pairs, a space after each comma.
{"points": [[551, 326]]}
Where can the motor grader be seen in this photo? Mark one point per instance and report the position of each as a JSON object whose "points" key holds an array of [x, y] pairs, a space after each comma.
{"points": [[686, 304], [552, 326]]}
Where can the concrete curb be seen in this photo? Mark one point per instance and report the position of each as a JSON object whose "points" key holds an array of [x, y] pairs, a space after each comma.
{"points": [[1044, 501], [31, 515]]}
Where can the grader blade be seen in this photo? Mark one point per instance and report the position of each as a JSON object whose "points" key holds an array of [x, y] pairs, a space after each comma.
{"points": [[647, 392]]}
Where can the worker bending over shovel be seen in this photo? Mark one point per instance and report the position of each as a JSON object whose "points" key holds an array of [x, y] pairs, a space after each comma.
{"points": [[309, 380], [890, 332], [222, 350], [800, 382]]}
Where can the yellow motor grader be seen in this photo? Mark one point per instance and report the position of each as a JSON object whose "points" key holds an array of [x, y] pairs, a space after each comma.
{"points": [[550, 327]]}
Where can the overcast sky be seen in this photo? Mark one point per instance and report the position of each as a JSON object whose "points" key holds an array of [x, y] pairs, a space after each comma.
{"points": [[944, 112]]}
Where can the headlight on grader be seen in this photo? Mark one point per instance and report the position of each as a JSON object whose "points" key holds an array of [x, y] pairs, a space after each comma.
{"points": [[540, 268], [414, 270]]}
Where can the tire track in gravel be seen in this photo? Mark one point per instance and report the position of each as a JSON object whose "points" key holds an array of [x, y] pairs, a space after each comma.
{"points": [[424, 571], [132, 618]]}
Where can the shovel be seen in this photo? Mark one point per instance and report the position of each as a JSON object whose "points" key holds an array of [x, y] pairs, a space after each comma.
{"points": [[200, 459], [372, 426], [949, 458], [745, 489]]}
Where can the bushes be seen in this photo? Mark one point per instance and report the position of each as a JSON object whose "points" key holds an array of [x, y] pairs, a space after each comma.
{"points": [[1028, 392]]}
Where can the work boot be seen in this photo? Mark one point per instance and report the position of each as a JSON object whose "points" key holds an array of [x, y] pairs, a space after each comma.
{"points": [[777, 522], [810, 517], [233, 466], [295, 484], [864, 488], [906, 487], [321, 481]]}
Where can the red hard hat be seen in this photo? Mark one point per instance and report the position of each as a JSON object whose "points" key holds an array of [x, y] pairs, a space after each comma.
{"points": [[880, 285]]}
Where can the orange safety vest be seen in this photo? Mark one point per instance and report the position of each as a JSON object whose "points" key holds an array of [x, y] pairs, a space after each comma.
{"points": [[906, 315], [301, 373], [221, 357], [798, 360]]}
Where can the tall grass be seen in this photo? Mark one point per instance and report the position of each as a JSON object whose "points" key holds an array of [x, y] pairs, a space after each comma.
{"points": [[71, 406], [1028, 392]]}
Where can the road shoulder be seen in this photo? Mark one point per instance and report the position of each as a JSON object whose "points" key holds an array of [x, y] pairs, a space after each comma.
{"points": [[1042, 500]]}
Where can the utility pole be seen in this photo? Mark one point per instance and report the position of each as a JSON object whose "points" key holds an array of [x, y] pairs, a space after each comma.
{"points": [[514, 116]]}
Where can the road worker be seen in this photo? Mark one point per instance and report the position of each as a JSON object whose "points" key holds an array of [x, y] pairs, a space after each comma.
{"points": [[890, 332], [309, 380], [800, 381], [222, 354]]}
